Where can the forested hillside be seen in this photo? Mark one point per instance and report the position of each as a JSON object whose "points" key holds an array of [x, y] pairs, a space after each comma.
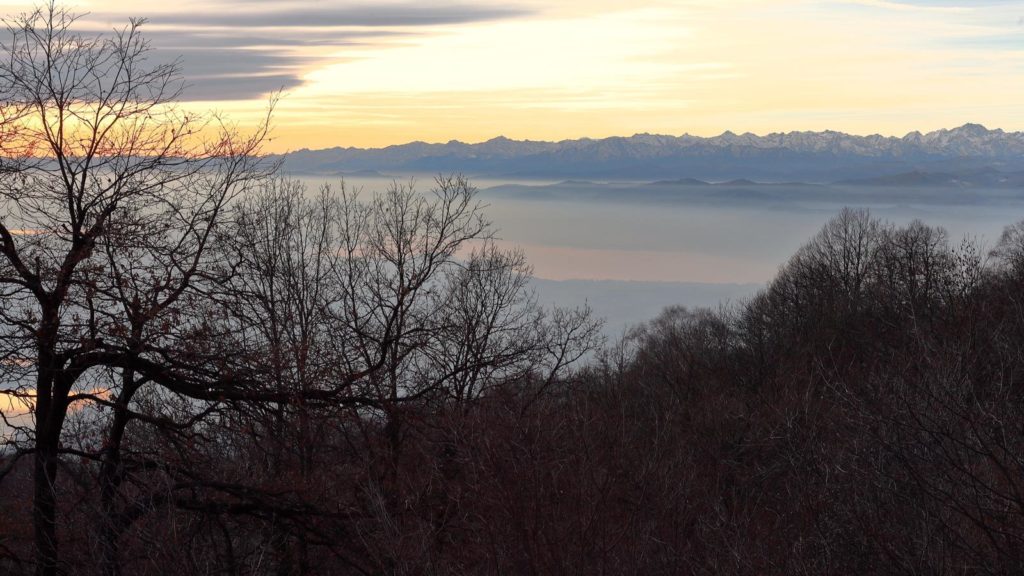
{"points": [[208, 368], [860, 415]]}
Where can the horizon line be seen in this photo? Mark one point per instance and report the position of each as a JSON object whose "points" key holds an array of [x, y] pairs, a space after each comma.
{"points": [[502, 137]]}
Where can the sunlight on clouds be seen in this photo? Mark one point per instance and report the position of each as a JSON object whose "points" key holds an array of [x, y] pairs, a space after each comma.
{"points": [[895, 5], [669, 66], [605, 52]]}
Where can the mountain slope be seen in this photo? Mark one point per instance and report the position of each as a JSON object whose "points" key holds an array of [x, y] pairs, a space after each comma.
{"points": [[809, 156]]}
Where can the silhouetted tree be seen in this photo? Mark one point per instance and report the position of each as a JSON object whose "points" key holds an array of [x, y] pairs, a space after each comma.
{"points": [[110, 196]]}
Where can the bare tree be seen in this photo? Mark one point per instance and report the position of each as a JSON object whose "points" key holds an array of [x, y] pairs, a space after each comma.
{"points": [[404, 289], [109, 196]]}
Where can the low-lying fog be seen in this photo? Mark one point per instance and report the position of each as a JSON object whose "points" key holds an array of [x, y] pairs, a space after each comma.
{"points": [[630, 249]]}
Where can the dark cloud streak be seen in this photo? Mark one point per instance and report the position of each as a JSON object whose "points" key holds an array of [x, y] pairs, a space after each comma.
{"points": [[222, 39], [361, 16], [238, 87]]}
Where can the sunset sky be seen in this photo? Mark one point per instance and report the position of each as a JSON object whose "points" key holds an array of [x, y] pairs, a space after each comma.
{"points": [[374, 73]]}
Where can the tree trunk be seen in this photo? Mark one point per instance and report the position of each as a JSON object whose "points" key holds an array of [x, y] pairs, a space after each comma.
{"points": [[44, 508], [110, 530], [110, 483], [49, 416]]}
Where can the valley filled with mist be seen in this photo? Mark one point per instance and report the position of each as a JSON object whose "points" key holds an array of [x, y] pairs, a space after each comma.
{"points": [[629, 249]]}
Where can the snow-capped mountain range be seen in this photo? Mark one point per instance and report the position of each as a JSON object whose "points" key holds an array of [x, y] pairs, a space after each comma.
{"points": [[805, 156]]}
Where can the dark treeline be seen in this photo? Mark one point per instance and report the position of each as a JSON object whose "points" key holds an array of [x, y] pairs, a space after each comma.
{"points": [[860, 415], [301, 409], [209, 369]]}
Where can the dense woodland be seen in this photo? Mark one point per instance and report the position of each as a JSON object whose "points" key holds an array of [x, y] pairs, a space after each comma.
{"points": [[207, 368]]}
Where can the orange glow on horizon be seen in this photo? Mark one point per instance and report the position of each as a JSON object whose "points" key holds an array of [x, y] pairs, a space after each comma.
{"points": [[594, 69]]}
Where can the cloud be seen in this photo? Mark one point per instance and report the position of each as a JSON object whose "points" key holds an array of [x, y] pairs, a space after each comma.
{"points": [[245, 50], [211, 89], [176, 38], [905, 5], [228, 67], [393, 15], [940, 5]]}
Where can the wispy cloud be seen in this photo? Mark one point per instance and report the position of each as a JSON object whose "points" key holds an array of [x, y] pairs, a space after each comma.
{"points": [[377, 72], [243, 50], [296, 15], [909, 6]]}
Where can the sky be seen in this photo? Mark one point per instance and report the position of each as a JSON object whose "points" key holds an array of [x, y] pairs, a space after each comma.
{"points": [[381, 72]]}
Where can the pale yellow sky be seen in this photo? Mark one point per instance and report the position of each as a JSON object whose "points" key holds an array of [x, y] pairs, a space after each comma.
{"points": [[384, 72]]}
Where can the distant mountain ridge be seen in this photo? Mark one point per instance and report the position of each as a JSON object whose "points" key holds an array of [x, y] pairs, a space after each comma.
{"points": [[827, 156]]}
